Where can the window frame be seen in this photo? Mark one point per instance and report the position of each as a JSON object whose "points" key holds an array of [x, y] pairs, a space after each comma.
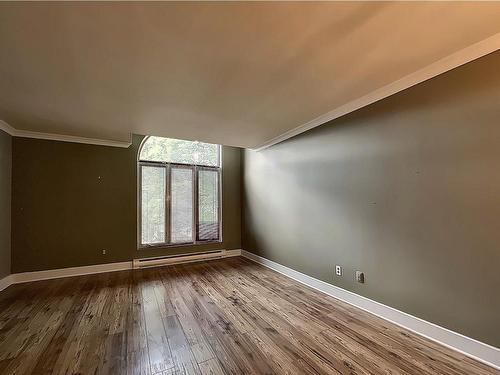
{"points": [[195, 168]]}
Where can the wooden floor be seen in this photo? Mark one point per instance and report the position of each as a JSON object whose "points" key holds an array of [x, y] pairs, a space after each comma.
{"points": [[222, 317]]}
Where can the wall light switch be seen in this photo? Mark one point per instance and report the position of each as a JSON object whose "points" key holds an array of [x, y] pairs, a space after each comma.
{"points": [[338, 270]]}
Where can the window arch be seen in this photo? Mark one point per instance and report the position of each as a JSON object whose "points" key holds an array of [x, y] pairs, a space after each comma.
{"points": [[179, 192]]}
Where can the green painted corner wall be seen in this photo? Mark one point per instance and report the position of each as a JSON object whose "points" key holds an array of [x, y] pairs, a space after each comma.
{"points": [[70, 201], [5, 202], [406, 190]]}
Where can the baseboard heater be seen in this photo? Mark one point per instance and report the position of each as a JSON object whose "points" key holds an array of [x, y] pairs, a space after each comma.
{"points": [[180, 258]]}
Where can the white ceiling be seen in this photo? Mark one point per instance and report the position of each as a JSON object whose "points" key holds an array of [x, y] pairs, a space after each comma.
{"points": [[234, 73]]}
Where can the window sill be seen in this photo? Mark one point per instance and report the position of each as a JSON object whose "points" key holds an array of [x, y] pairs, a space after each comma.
{"points": [[167, 245]]}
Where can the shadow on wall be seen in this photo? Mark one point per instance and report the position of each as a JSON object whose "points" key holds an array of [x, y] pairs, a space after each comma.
{"points": [[405, 190]]}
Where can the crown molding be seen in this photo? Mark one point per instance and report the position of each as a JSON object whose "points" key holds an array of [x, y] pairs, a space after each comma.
{"points": [[461, 57], [60, 137], [7, 128]]}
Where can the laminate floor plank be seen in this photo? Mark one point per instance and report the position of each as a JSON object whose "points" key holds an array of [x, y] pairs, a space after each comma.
{"points": [[137, 357], [235, 346], [327, 358], [52, 351], [160, 356], [195, 338], [229, 316], [211, 367], [332, 311]]}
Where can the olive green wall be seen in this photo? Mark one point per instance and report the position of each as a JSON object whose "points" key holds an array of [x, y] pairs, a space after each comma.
{"points": [[5, 198], [406, 190], [70, 201]]}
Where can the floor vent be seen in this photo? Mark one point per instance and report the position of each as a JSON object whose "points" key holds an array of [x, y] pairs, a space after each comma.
{"points": [[181, 258]]}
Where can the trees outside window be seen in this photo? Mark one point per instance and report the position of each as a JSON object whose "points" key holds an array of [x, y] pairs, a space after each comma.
{"points": [[180, 192]]}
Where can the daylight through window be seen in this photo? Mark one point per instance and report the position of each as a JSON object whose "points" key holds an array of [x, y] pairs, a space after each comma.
{"points": [[179, 185]]}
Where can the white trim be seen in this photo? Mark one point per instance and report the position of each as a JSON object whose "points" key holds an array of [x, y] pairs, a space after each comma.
{"points": [[441, 66], [183, 258], [71, 138], [447, 63], [7, 128], [26, 277], [482, 352], [232, 253], [6, 282], [62, 138]]}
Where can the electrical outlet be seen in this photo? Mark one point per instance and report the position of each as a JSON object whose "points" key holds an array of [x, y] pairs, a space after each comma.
{"points": [[104, 252], [338, 270], [360, 277]]}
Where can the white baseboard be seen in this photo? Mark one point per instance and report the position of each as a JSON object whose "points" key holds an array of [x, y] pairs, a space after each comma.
{"points": [[482, 352], [233, 253], [26, 277], [475, 349], [6, 282]]}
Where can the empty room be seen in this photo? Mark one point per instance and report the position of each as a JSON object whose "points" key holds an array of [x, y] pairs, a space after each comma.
{"points": [[250, 188]]}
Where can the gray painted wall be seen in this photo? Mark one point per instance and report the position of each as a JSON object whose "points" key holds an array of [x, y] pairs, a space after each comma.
{"points": [[70, 201], [406, 190], [5, 198]]}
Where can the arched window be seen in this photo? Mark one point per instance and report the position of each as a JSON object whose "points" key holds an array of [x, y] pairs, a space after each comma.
{"points": [[179, 192]]}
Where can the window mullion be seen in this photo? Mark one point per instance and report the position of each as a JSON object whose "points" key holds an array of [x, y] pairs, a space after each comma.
{"points": [[140, 230], [219, 203], [168, 204], [195, 204]]}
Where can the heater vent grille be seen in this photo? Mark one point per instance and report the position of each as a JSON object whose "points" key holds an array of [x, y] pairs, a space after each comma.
{"points": [[183, 258]]}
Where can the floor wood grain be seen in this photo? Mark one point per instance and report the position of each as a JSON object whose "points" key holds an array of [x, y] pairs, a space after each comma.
{"points": [[229, 316]]}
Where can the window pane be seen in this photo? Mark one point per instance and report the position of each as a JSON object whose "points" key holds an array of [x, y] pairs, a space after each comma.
{"points": [[181, 226], [178, 151], [208, 205], [153, 205]]}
